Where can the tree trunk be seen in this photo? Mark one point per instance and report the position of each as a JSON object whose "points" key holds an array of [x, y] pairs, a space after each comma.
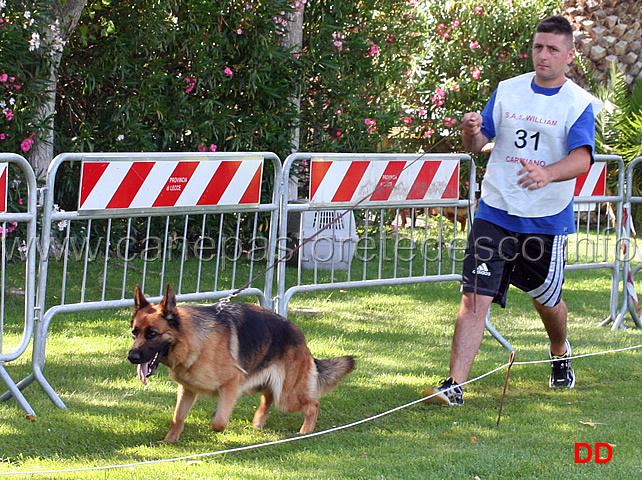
{"points": [[67, 14], [294, 39]]}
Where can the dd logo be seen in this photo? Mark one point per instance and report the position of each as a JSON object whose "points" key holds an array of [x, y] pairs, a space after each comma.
{"points": [[582, 456]]}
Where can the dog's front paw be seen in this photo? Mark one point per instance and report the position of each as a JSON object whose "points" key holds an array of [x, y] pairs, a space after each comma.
{"points": [[171, 437], [218, 426]]}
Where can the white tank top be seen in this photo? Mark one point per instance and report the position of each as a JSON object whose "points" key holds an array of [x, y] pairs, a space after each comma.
{"points": [[533, 127]]}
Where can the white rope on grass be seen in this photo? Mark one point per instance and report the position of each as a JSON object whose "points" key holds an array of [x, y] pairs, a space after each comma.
{"points": [[293, 439], [623, 349]]}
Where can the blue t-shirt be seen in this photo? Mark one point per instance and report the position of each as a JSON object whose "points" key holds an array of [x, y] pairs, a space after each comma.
{"points": [[581, 134]]}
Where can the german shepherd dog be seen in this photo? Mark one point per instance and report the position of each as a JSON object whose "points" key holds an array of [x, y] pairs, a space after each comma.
{"points": [[226, 350]]}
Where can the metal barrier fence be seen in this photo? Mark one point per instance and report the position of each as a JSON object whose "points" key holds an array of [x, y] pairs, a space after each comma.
{"points": [[352, 228], [139, 213], [632, 256], [203, 223], [361, 249], [351, 223], [17, 264], [598, 227]]}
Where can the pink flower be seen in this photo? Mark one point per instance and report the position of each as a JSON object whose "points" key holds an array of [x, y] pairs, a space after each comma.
{"points": [[239, 31], [26, 144], [374, 50], [3, 136], [191, 84], [338, 133], [479, 10], [213, 147], [438, 98], [368, 121], [473, 45], [201, 148], [12, 226], [407, 121], [9, 114], [4, 77], [443, 31], [228, 72], [450, 122], [455, 23], [475, 72]]}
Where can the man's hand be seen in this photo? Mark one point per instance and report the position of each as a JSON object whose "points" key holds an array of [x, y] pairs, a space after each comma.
{"points": [[471, 124], [534, 176], [577, 162], [471, 135]]}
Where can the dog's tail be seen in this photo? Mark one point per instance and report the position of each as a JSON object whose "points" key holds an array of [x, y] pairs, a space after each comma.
{"points": [[331, 371]]}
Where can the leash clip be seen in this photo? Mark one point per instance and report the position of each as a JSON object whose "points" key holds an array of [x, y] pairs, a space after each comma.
{"points": [[223, 302]]}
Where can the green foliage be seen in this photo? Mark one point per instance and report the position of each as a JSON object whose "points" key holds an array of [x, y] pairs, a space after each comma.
{"points": [[177, 76], [618, 128], [470, 47], [619, 125], [185, 75], [358, 57]]}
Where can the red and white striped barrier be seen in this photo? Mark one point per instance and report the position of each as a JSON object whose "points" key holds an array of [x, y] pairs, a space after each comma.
{"points": [[593, 182], [3, 187], [590, 184], [350, 182], [108, 185]]}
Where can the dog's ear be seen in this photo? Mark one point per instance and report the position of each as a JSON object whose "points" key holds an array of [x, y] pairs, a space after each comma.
{"points": [[168, 307], [139, 299]]}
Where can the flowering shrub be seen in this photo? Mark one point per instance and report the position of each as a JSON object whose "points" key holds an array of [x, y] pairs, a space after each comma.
{"points": [[20, 90], [185, 75], [470, 45], [357, 60]]}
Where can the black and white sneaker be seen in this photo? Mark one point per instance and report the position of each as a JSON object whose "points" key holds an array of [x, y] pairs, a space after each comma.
{"points": [[448, 393], [562, 374]]}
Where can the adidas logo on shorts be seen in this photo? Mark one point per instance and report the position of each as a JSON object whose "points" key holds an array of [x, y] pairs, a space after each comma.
{"points": [[482, 270]]}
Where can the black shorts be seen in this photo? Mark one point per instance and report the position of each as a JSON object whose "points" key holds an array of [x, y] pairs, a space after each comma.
{"points": [[496, 258]]}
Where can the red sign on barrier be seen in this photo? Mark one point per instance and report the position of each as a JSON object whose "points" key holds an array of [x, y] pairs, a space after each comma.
{"points": [[3, 187], [350, 182], [593, 182], [152, 184]]}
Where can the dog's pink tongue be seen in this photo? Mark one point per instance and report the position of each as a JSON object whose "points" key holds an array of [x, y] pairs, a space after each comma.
{"points": [[142, 370]]}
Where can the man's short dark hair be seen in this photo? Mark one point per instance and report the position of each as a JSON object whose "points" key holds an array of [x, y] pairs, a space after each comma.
{"points": [[558, 25]]}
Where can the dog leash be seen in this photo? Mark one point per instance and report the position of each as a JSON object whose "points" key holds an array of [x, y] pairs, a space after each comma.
{"points": [[226, 300]]}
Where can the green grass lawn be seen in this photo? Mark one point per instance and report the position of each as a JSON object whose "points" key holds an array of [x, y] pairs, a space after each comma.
{"points": [[401, 338]]}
